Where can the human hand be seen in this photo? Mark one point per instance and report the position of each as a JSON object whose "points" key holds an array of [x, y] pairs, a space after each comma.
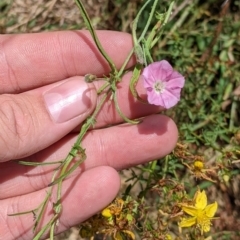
{"points": [[35, 67]]}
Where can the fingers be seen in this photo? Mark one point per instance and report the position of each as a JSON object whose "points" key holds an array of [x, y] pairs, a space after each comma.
{"points": [[119, 146], [34, 120], [46, 114], [79, 203], [29, 61]]}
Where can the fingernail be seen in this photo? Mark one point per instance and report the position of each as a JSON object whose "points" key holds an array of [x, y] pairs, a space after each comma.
{"points": [[68, 100]]}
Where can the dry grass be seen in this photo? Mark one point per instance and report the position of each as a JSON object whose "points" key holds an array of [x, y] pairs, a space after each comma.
{"points": [[40, 15]]}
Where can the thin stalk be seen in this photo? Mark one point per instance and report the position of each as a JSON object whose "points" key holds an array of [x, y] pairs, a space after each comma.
{"points": [[137, 41], [168, 14], [177, 24], [65, 172], [94, 35]]}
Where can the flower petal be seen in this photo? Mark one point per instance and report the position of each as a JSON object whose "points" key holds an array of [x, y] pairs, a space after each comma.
{"points": [[106, 213], [155, 98], [161, 75], [200, 200], [170, 97], [149, 81], [211, 209], [206, 227], [158, 70], [187, 222], [191, 210], [164, 70], [175, 80]]}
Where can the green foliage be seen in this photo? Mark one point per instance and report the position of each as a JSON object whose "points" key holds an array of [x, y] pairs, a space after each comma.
{"points": [[202, 42]]}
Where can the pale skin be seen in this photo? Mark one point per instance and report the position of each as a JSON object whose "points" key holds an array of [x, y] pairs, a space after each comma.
{"points": [[30, 65]]}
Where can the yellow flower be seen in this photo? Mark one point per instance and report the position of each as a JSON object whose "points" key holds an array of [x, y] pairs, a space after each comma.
{"points": [[106, 213], [198, 165], [168, 237], [201, 213]]}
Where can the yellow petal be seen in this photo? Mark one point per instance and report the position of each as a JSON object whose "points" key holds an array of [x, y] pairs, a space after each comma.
{"points": [[187, 222], [198, 164], [106, 213], [201, 200], [206, 227], [191, 210], [211, 209], [168, 237]]}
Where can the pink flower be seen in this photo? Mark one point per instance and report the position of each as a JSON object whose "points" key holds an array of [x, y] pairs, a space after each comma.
{"points": [[163, 84]]}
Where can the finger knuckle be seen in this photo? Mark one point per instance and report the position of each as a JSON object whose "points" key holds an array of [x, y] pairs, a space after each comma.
{"points": [[8, 78], [16, 125]]}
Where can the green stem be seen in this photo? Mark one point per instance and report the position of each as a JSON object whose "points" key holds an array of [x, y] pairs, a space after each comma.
{"points": [[94, 35], [135, 40], [157, 26], [165, 166], [103, 87], [120, 112], [88, 124], [38, 164], [233, 114], [135, 22], [64, 172], [177, 24], [200, 125], [153, 165], [42, 209], [52, 223]]}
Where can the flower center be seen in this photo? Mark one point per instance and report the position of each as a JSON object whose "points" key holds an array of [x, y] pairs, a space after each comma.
{"points": [[159, 86]]}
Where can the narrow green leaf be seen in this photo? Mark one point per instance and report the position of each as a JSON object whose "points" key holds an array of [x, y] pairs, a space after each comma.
{"points": [[121, 113], [133, 82], [37, 163], [75, 165]]}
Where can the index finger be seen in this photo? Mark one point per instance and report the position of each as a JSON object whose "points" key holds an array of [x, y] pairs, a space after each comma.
{"points": [[29, 61]]}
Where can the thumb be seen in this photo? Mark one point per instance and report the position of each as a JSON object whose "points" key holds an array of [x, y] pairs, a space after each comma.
{"points": [[33, 120]]}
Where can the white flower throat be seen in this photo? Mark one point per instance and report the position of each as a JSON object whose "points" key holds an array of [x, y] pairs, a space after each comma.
{"points": [[159, 86]]}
